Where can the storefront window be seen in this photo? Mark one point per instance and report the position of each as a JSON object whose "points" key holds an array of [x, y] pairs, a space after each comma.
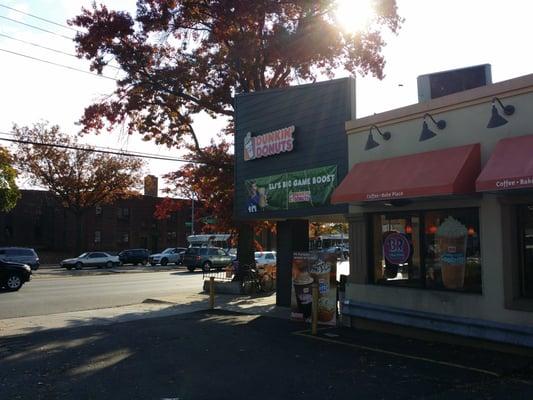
{"points": [[429, 249], [525, 224]]}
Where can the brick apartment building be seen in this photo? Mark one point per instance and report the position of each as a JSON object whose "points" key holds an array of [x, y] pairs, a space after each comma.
{"points": [[39, 221]]}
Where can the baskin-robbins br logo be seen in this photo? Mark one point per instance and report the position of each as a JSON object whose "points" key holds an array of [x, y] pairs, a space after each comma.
{"points": [[268, 144]]}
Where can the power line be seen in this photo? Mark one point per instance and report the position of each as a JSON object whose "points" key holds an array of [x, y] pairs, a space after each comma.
{"points": [[40, 18], [57, 64], [36, 27], [94, 150], [47, 48]]}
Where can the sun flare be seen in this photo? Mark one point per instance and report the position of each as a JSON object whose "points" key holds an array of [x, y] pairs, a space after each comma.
{"points": [[355, 15]]}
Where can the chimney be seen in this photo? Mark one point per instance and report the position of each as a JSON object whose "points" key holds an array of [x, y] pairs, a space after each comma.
{"points": [[150, 186]]}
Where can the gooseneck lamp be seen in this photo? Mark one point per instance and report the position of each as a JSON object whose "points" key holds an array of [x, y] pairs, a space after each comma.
{"points": [[428, 133], [496, 119], [371, 143]]}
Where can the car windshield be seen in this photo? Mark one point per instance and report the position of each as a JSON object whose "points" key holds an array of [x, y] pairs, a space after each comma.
{"points": [[83, 255], [169, 250]]}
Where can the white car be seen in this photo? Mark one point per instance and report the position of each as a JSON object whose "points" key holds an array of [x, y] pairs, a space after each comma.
{"points": [[168, 256], [265, 257], [91, 259]]}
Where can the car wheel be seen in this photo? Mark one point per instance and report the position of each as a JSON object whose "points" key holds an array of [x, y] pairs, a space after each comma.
{"points": [[164, 262], [109, 264], [191, 269], [69, 267], [144, 262], [13, 282], [135, 264], [206, 266], [177, 263], [78, 265], [153, 264]]}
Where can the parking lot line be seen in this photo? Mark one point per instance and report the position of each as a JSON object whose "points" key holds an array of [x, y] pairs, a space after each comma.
{"points": [[307, 334]]}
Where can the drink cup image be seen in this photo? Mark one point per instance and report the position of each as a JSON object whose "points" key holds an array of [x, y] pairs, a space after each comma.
{"points": [[451, 239], [262, 197], [320, 271], [248, 147], [304, 298]]}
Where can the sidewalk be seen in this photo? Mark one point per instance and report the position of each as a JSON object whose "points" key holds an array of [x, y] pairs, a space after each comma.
{"points": [[150, 308]]}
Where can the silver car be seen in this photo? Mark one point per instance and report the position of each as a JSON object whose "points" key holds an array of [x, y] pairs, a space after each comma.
{"points": [[21, 255]]}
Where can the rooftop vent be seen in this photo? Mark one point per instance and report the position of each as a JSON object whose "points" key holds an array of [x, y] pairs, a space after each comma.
{"points": [[438, 84]]}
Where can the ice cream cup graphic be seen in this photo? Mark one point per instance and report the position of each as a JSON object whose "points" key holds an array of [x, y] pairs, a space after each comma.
{"points": [[451, 238]]}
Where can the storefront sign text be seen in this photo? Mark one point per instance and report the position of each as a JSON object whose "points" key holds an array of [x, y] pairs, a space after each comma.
{"points": [[383, 195], [514, 183], [268, 144]]}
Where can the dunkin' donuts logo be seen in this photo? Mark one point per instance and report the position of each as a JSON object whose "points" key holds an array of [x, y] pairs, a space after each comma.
{"points": [[268, 144]]}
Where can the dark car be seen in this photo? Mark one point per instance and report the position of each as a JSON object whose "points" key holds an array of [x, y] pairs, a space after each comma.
{"points": [[20, 255], [134, 256], [13, 275], [206, 258]]}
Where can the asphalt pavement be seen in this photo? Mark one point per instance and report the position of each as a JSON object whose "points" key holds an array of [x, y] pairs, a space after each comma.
{"points": [[226, 355], [51, 292]]}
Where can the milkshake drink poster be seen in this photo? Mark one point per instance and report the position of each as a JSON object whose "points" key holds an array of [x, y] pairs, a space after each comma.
{"points": [[451, 237], [309, 268]]}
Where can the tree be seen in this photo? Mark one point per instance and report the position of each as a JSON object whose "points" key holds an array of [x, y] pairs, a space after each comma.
{"points": [[183, 57], [9, 192], [75, 174]]}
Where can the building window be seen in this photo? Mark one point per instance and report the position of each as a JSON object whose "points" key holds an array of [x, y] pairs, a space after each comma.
{"points": [[525, 243], [97, 236], [98, 210], [123, 212], [125, 238], [427, 249]]}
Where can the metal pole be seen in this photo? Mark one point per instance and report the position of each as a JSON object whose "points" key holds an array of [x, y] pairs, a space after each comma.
{"points": [[211, 293], [192, 216], [314, 314]]}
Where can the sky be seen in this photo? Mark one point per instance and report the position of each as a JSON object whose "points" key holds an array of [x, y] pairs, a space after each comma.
{"points": [[437, 35]]}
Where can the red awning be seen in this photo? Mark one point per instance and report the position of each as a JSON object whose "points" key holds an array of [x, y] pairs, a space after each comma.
{"points": [[510, 166], [434, 173]]}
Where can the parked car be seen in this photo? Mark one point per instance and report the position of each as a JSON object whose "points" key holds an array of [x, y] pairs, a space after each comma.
{"points": [[206, 258], [21, 255], [264, 257], [14, 275], [91, 259], [233, 253], [340, 251], [170, 255], [134, 256]]}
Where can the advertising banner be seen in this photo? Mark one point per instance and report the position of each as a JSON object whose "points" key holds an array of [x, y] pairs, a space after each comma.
{"points": [[322, 269], [298, 189]]}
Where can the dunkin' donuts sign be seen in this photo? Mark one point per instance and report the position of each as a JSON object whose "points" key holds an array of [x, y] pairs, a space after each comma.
{"points": [[268, 144]]}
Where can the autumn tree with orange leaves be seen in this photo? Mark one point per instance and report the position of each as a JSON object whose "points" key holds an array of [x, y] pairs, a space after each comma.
{"points": [[181, 58], [77, 176]]}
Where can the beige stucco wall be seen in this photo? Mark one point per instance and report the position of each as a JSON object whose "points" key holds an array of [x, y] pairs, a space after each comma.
{"points": [[466, 115]]}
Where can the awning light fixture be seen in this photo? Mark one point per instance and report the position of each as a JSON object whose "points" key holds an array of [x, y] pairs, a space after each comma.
{"points": [[428, 133], [371, 143], [496, 119]]}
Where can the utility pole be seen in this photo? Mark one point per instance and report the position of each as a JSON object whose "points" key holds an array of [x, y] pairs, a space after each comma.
{"points": [[192, 214]]}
